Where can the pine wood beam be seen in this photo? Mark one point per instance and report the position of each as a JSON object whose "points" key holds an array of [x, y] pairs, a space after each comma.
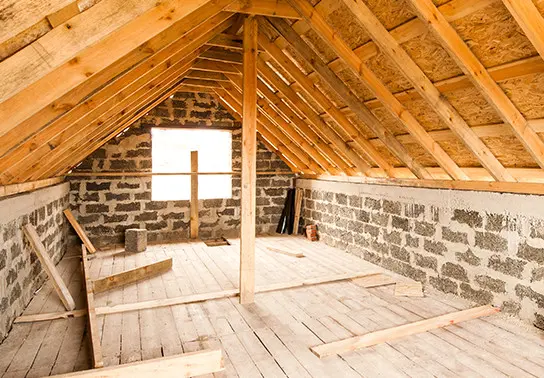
{"points": [[279, 147], [249, 163], [10, 190], [271, 130], [272, 8], [315, 147], [91, 65], [269, 76], [338, 86], [476, 71], [530, 20], [105, 100], [375, 85], [211, 66], [194, 209], [308, 87], [391, 48]]}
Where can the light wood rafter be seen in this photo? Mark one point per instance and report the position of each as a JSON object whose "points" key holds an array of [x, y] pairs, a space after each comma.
{"points": [[321, 156], [320, 26], [270, 128], [110, 98], [361, 111], [313, 92], [530, 20], [476, 71], [426, 89]]}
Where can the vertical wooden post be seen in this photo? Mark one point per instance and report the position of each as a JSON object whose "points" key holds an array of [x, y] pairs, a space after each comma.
{"points": [[249, 175], [194, 195]]}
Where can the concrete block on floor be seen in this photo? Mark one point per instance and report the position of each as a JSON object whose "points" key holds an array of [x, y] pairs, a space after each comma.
{"points": [[135, 240]]}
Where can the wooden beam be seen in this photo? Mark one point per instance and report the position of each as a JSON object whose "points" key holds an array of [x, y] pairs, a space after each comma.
{"points": [[308, 87], [222, 55], [391, 48], [190, 364], [268, 130], [131, 276], [49, 267], [249, 151], [389, 334], [102, 61], [338, 86], [13, 189], [530, 20], [476, 71], [372, 82], [298, 255], [272, 8], [94, 332], [149, 174], [64, 14], [194, 195], [110, 97], [270, 77], [205, 83], [197, 74], [483, 186], [79, 231], [315, 148]]}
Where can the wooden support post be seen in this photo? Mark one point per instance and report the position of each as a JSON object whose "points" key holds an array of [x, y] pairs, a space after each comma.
{"points": [[299, 193], [49, 267], [249, 161], [194, 195]]}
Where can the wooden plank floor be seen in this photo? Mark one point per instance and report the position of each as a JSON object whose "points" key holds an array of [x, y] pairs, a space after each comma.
{"points": [[271, 337]]}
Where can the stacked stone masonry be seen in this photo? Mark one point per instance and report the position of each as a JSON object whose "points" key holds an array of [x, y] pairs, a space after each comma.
{"points": [[21, 273], [107, 206], [485, 247]]}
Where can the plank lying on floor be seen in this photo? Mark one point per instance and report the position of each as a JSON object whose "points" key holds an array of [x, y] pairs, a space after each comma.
{"points": [[49, 267], [194, 298], [292, 254], [94, 336], [131, 276], [385, 335], [374, 281], [79, 231], [182, 365]]}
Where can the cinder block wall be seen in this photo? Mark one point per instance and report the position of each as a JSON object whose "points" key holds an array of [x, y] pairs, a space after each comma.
{"points": [[21, 273], [107, 206], [485, 247]]}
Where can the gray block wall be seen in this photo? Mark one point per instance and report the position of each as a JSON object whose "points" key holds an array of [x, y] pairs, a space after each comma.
{"points": [[107, 206], [485, 247], [21, 273]]}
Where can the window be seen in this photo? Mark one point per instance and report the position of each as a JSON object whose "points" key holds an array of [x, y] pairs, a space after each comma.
{"points": [[171, 153]]}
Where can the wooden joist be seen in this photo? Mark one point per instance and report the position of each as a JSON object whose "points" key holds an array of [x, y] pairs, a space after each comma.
{"points": [[385, 335], [49, 267], [92, 325], [191, 364], [249, 163], [79, 231], [392, 48], [530, 20], [131, 276]]}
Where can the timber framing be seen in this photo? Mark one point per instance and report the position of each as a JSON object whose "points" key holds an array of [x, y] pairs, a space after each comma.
{"points": [[307, 111]]}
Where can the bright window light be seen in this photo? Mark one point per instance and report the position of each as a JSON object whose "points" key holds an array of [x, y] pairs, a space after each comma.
{"points": [[171, 153]]}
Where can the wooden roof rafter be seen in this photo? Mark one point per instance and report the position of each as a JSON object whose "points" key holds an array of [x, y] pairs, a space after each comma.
{"points": [[371, 81], [362, 113], [476, 71], [391, 48]]}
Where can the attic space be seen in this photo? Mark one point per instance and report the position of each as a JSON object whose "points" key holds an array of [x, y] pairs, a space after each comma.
{"points": [[271, 188]]}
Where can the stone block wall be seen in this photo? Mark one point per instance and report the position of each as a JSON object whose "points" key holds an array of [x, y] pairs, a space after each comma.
{"points": [[485, 247], [107, 206], [21, 273]]}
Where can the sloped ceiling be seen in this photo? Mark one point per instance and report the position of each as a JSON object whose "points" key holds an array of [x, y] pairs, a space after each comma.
{"points": [[397, 89]]}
